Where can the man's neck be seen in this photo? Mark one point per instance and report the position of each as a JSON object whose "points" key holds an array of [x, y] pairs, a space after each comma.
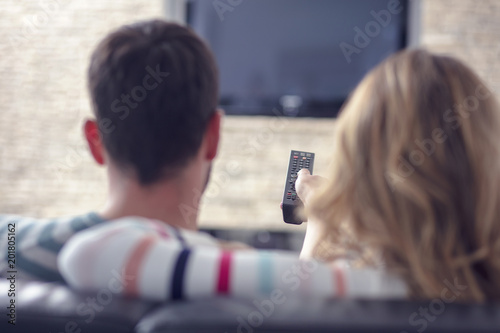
{"points": [[174, 202]]}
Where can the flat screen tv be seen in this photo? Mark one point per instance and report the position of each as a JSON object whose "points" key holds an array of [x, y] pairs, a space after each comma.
{"points": [[296, 57]]}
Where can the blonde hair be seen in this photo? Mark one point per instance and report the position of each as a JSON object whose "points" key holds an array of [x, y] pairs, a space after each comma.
{"points": [[416, 176]]}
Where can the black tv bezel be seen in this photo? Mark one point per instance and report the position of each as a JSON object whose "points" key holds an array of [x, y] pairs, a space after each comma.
{"points": [[320, 111]]}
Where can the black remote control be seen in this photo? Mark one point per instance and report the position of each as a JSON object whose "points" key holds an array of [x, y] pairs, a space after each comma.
{"points": [[291, 202]]}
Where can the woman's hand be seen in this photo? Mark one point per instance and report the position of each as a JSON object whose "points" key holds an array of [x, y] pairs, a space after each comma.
{"points": [[306, 184]]}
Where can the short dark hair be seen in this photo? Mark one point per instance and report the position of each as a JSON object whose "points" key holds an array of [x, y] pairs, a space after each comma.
{"points": [[154, 88]]}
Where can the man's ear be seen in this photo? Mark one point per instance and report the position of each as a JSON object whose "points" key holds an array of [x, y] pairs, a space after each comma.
{"points": [[212, 135], [94, 141]]}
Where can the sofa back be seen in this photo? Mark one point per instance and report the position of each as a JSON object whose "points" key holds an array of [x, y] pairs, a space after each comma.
{"points": [[54, 308]]}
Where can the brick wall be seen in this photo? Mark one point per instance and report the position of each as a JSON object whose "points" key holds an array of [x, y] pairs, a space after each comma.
{"points": [[467, 29], [45, 170], [45, 45]]}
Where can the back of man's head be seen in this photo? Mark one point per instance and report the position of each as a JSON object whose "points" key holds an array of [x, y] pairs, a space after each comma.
{"points": [[154, 88]]}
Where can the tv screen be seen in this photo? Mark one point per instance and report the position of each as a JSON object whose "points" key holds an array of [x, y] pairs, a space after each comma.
{"points": [[296, 57]]}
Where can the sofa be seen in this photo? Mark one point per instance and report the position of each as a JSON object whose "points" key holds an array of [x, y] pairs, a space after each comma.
{"points": [[55, 308]]}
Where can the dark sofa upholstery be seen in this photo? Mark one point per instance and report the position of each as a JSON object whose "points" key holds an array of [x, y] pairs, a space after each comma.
{"points": [[51, 308]]}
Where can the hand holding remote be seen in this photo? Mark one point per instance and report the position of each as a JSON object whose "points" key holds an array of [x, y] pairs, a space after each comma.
{"points": [[306, 184], [291, 202]]}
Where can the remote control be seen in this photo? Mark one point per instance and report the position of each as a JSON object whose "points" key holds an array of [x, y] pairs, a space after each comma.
{"points": [[291, 202]]}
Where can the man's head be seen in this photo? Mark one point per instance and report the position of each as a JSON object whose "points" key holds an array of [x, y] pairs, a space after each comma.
{"points": [[154, 90]]}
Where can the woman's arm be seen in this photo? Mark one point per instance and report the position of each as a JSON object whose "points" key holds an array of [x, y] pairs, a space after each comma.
{"points": [[306, 185]]}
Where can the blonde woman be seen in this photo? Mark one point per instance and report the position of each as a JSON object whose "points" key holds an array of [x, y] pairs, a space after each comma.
{"points": [[415, 183], [413, 196]]}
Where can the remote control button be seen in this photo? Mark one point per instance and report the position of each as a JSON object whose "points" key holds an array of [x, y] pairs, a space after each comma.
{"points": [[295, 157], [308, 155], [302, 154]]}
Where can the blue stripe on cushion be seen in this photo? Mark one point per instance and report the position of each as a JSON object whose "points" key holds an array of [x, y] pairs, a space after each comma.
{"points": [[265, 272], [179, 272]]}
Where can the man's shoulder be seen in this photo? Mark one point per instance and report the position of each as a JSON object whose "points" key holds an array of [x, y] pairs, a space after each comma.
{"points": [[77, 222], [37, 242], [8, 218], [14, 222], [42, 230]]}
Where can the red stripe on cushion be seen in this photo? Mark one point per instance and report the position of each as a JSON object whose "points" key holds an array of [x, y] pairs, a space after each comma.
{"points": [[134, 263], [224, 272], [340, 281]]}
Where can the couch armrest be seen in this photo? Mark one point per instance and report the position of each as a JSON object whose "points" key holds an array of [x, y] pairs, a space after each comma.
{"points": [[51, 307]]}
